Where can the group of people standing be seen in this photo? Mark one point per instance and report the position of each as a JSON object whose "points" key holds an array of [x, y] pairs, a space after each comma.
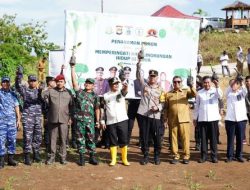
{"points": [[90, 113]]}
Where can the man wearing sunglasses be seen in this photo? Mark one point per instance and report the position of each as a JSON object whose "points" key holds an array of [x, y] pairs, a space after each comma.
{"points": [[177, 113], [150, 112]]}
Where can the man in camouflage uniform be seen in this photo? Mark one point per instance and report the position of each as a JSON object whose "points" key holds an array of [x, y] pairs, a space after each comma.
{"points": [[87, 111], [9, 122], [31, 118]]}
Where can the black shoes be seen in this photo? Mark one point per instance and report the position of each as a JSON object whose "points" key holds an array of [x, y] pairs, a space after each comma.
{"points": [[93, 160], [27, 159], [157, 160], [202, 160], [240, 159], [228, 160], [50, 161], [36, 157], [63, 162], [145, 160], [214, 160], [11, 161], [1, 162], [81, 160], [174, 161], [185, 161]]}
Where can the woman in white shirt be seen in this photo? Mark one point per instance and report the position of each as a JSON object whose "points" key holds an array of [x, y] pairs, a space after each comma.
{"points": [[207, 112], [117, 119], [235, 120]]}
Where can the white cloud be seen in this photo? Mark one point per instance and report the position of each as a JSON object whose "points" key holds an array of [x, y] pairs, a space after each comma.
{"points": [[9, 2]]}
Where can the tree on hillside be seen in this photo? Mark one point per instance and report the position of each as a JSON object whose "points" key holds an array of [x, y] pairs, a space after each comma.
{"points": [[200, 13], [18, 41]]}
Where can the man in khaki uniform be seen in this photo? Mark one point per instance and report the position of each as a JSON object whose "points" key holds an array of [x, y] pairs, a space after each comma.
{"points": [[177, 113]]}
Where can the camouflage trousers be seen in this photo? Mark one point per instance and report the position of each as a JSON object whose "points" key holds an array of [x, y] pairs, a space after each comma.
{"points": [[32, 132], [86, 137], [8, 132]]}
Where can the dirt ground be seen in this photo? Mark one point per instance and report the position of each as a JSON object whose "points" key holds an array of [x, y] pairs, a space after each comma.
{"points": [[193, 176]]}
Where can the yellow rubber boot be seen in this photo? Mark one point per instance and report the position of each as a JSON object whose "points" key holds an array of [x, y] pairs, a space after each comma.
{"points": [[124, 156], [113, 152]]}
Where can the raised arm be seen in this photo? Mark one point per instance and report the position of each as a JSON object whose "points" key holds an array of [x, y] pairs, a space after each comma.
{"points": [[138, 72], [73, 78], [19, 87]]}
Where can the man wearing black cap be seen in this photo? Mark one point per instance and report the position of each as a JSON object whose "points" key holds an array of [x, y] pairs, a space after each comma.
{"points": [[9, 122], [100, 83], [117, 119], [150, 111], [87, 114], [31, 118]]}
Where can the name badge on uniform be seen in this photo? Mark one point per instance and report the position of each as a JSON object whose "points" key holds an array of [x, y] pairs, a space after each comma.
{"points": [[210, 101], [238, 97]]}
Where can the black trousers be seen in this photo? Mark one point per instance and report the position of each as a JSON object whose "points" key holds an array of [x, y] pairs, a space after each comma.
{"points": [[199, 64], [197, 135], [208, 131], [150, 127], [235, 129], [118, 133], [133, 105]]}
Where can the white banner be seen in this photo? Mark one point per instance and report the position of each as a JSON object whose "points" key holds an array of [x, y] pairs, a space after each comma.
{"points": [[108, 40], [56, 60]]}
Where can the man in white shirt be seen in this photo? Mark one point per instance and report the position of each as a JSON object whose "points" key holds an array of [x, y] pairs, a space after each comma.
{"points": [[117, 119], [207, 112], [224, 63], [235, 120]]}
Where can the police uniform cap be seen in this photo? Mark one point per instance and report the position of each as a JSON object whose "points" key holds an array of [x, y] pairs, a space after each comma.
{"points": [[127, 68], [113, 80], [153, 72], [113, 69], [32, 78], [99, 69], [5, 78], [90, 80]]}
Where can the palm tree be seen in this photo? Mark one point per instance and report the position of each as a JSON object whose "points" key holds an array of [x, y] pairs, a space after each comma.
{"points": [[200, 12]]}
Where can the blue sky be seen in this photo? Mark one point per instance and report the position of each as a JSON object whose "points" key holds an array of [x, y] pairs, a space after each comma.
{"points": [[52, 11]]}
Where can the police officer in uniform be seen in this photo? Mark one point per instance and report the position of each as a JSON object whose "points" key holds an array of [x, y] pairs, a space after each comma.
{"points": [[150, 110]]}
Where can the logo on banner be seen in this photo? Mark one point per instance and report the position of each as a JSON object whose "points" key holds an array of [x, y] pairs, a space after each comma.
{"points": [[152, 32], [119, 30], [162, 33], [139, 32]]}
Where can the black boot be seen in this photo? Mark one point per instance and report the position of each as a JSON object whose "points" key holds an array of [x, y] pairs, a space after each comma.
{"points": [[36, 157], [145, 159], [93, 160], [27, 159], [1, 162], [11, 161], [81, 160], [157, 159]]}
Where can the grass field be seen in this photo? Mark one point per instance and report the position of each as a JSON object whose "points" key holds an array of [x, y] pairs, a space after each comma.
{"points": [[212, 44]]}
